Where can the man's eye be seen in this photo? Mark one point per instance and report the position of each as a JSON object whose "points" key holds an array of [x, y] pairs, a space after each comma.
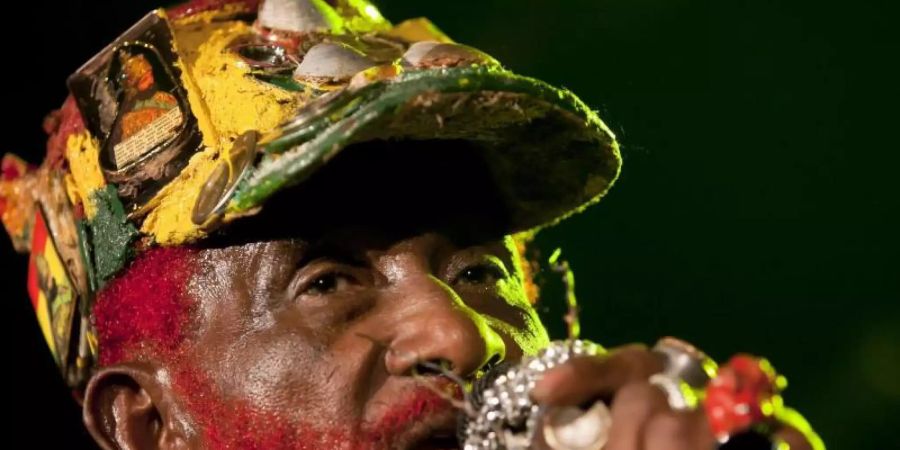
{"points": [[327, 284], [481, 274]]}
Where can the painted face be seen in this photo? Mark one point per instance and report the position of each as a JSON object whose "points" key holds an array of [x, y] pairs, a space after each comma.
{"points": [[324, 340], [317, 338]]}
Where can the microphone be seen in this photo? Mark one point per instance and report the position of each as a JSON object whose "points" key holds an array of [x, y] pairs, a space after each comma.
{"points": [[505, 418]]}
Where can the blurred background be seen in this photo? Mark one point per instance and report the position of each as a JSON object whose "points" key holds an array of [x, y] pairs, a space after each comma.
{"points": [[757, 209]]}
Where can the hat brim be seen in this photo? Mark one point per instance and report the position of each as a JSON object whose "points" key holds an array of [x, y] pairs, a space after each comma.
{"points": [[549, 153]]}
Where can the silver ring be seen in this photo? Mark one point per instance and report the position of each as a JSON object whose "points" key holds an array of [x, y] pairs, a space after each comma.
{"points": [[571, 428], [686, 372]]}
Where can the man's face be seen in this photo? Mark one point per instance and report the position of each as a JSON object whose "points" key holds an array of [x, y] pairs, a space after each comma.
{"points": [[323, 338], [333, 318]]}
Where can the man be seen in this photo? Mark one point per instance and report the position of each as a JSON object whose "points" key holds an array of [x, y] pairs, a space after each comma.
{"points": [[327, 246]]}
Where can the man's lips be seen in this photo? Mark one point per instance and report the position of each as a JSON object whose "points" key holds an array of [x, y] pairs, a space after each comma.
{"points": [[424, 419]]}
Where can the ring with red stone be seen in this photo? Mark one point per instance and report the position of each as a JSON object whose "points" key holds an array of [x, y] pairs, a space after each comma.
{"points": [[741, 402], [739, 399]]}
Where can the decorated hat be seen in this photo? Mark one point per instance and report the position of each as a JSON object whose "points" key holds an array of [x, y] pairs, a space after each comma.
{"points": [[197, 115]]}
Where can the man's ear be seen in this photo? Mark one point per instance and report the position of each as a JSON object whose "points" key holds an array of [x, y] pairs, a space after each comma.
{"points": [[129, 407]]}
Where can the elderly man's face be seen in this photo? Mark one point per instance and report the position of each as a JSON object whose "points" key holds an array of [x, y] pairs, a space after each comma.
{"points": [[325, 337], [310, 324]]}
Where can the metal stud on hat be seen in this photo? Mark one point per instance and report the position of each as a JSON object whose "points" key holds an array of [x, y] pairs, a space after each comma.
{"points": [[330, 61], [300, 16], [433, 53]]}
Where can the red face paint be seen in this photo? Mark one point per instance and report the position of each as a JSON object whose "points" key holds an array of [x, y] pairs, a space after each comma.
{"points": [[403, 415], [144, 314], [232, 425], [144, 311]]}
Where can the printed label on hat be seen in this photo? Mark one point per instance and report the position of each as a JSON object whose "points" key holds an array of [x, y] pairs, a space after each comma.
{"points": [[148, 114], [161, 129], [53, 296], [133, 102]]}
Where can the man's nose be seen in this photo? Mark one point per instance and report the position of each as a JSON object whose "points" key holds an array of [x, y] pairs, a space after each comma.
{"points": [[437, 327]]}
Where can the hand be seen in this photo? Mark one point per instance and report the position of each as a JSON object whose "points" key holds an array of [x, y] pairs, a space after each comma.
{"points": [[641, 416]]}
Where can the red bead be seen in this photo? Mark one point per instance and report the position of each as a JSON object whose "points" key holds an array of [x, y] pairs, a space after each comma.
{"points": [[735, 397]]}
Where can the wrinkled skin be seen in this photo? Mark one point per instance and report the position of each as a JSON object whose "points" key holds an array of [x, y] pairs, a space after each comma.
{"points": [[342, 334], [321, 333]]}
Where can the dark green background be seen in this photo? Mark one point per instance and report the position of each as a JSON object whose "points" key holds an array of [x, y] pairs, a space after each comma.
{"points": [[757, 210]]}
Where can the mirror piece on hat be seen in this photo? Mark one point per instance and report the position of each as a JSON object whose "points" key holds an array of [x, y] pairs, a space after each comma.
{"points": [[265, 58], [332, 61], [231, 169], [301, 16]]}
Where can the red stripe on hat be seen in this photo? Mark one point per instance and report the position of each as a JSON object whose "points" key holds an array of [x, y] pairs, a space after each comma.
{"points": [[39, 236]]}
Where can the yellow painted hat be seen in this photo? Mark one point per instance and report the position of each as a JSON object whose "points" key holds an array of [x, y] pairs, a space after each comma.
{"points": [[197, 115]]}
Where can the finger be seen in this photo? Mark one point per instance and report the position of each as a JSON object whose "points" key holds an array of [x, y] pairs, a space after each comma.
{"points": [[673, 430], [633, 405], [588, 377]]}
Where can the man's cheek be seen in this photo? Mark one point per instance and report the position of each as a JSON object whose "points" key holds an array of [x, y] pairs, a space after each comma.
{"points": [[533, 337], [526, 339], [285, 371], [238, 423], [270, 372]]}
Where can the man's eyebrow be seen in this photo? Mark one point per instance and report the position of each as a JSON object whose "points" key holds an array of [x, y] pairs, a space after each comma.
{"points": [[331, 251]]}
